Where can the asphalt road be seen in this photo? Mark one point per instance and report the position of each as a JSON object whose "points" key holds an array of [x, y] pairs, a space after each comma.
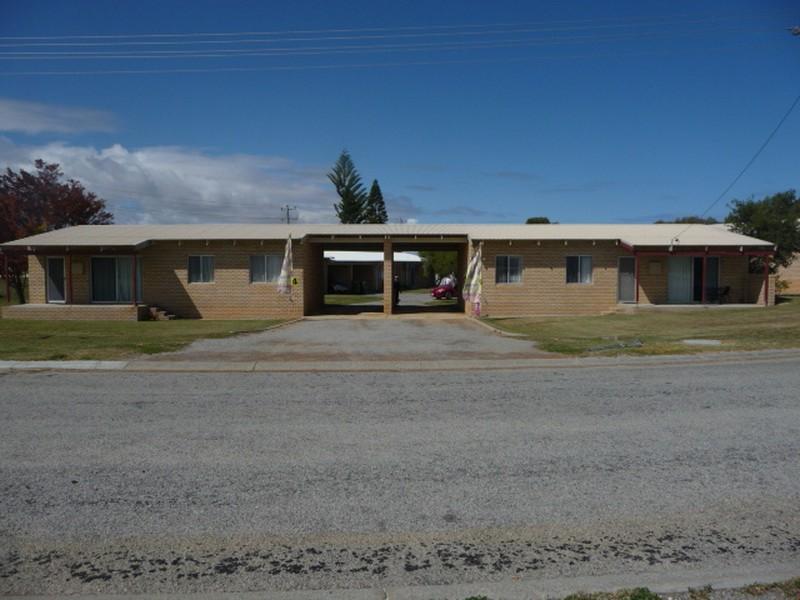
{"points": [[157, 482]]}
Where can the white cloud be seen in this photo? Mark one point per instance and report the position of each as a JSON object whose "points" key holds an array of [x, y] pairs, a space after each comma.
{"points": [[163, 184], [35, 117]]}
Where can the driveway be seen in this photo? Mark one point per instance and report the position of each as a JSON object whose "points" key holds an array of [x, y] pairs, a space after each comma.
{"points": [[163, 482], [374, 338]]}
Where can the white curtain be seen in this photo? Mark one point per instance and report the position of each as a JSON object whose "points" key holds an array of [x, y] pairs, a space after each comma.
{"points": [[285, 278]]}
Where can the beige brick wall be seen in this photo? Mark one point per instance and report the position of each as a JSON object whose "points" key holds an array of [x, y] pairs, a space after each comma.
{"points": [[231, 295], [652, 280], [388, 277], [80, 279], [36, 279], [792, 276], [75, 312], [543, 289]]}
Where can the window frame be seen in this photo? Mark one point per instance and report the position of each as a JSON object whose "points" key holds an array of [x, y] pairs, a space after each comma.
{"points": [[189, 269], [581, 258], [139, 279], [265, 257], [497, 271]]}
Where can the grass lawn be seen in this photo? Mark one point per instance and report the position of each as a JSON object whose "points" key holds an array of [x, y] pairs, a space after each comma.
{"points": [[443, 302], [71, 340], [347, 299], [661, 332]]}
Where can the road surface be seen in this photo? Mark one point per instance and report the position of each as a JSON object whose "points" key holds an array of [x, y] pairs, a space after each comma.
{"points": [[159, 482]]}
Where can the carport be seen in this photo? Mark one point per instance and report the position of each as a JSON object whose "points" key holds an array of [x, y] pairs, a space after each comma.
{"points": [[314, 290]]}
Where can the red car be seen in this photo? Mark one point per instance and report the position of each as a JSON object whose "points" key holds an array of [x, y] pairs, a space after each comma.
{"points": [[445, 290]]}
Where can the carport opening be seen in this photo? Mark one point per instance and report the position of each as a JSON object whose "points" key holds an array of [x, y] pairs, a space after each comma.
{"points": [[441, 274], [434, 286], [349, 277], [352, 278]]}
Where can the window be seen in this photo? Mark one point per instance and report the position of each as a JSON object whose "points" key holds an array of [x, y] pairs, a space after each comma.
{"points": [[579, 269], [201, 269], [508, 269], [265, 268], [112, 279]]}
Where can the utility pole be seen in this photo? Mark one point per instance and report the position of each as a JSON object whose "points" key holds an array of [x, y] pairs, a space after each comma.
{"points": [[287, 212]]}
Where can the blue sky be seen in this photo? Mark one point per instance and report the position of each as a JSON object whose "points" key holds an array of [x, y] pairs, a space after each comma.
{"points": [[465, 111]]}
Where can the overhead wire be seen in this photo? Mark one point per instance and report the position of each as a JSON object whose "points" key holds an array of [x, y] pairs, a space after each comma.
{"points": [[595, 22], [746, 167]]}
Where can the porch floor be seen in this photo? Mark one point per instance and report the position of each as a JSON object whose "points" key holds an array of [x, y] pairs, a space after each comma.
{"points": [[694, 306], [76, 312]]}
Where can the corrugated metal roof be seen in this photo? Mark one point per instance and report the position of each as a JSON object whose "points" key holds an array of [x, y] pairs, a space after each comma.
{"points": [[356, 256], [634, 235]]}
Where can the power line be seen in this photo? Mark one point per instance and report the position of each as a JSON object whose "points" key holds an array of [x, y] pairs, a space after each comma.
{"points": [[286, 211], [594, 21], [747, 166], [352, 49], [371, 65], [493, 30]]}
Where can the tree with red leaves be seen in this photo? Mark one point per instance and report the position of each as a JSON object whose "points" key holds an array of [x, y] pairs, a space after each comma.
{"points": [[36, 202]]}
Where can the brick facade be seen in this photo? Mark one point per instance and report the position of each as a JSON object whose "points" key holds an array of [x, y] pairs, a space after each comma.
{"points": [[791, 275], [166, 284], [75, 312], [542, 290]]}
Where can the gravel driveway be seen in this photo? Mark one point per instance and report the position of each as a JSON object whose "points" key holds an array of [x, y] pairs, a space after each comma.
{"points": [[365, 339]]}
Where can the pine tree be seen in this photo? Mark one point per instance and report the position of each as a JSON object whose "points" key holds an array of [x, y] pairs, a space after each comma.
{"points": [[375, 211], [347, 181]]}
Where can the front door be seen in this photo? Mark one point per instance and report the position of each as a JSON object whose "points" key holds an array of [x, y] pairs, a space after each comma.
{"points": [[55, 280], [679, 280], [626, 283]]}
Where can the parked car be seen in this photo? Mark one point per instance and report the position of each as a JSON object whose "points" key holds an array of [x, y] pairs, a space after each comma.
{"points": [[445, 290]]}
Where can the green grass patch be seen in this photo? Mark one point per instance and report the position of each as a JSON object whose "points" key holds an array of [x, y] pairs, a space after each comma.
{"points": [[641, 593], [106, 340], [443, 302], [790, 588], [348, 299], [703, 593], [662, 331]]}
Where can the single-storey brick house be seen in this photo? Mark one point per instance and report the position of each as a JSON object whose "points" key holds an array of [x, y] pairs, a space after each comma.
{"points": [[230, 271]]}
